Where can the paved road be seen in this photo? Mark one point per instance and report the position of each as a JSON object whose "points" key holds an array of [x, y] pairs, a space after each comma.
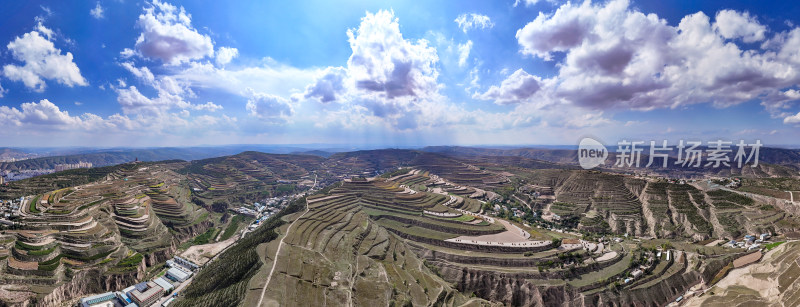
{"points": [[523, 202], [178, 289]]}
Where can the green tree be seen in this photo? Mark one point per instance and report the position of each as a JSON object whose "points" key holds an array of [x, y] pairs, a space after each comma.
{"points": [[219, 206]]}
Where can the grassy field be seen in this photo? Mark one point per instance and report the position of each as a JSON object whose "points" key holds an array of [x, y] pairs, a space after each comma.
{"points": [[603, 274], [772, 245], [233, 226]]}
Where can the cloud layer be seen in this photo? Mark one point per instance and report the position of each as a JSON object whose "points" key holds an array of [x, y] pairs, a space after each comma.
{"points": [[614, 57], [578, 65]]}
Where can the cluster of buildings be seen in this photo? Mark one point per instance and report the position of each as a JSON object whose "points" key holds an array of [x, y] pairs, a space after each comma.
{"points": [[270, 207], [9, 209], [67, 166], [14, 175], [735, 183], [750, 242], [731, 183], [677, 181], [245, 211], [512, 210], [639, 272], [148, 293], [9, 175], [634, 275]]}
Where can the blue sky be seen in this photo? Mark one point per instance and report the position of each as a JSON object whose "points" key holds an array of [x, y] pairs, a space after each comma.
{"points": [[413, 73]]}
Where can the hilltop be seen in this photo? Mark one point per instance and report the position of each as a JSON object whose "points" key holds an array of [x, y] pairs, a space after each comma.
{"points": [[476, 229]]}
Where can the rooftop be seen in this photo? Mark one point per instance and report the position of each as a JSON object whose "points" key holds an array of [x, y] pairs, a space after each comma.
{"points": [[178, 273], [153, 289]]}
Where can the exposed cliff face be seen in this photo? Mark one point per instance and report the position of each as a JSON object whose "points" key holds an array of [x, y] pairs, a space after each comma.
{"points": [[180, 235], [184, 234], [688, 229], [161, 255], [659, 294], [625, 224], [506, 289], [89, 282], [92, 281], [516, 290]]}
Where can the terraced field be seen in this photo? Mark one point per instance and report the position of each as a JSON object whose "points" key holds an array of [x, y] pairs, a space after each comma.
{"points": [[609, 195], [772, 282], [339, 248], [117, 226], [458, 172], [249, 175], [677, 210], [362, 236], [611, 203], [434, 230]]}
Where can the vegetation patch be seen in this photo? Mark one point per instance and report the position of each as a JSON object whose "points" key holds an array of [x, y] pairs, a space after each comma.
{"points": [[130, 262], [232, 227], [731, 197], [772, 245], [89, 205], [223, 282], [51, 264], [205, 237], [32, 206]]}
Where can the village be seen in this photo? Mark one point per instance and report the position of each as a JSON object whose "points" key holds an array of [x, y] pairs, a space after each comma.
{"points": [[265, 209], [9, 209]]}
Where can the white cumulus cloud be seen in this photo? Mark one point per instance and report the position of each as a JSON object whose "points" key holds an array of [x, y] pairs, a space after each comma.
{"points": [[134, 102], [142, 73], [270, 108], [564, 29], [731, 24], [42, 60], [168, 35], [225, 55], [794, 119], [473, 21], [42, 113], [328, 86], [97, 11], [518, 87], [385, 63], [614, 56], [208, 106]]}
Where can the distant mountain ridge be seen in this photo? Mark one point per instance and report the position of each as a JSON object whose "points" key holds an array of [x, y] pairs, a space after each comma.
{"points": [[378, 158], [771, 155], [104, 157]]}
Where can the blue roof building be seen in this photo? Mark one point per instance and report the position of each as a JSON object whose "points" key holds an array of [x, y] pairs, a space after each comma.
{"points": [[97, 299]]}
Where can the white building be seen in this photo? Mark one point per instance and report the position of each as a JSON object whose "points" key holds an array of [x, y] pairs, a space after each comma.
{"points": [[178, 275], [163, 283], [185, 263]]}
